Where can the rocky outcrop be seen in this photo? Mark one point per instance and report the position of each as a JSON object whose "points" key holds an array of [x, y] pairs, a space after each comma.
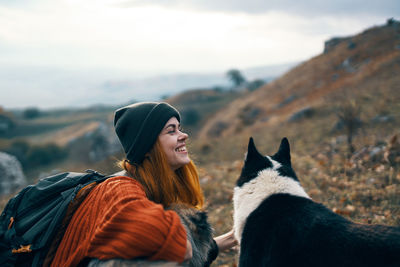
{"points": [[332, 43], [6, 124], [11, 175]]}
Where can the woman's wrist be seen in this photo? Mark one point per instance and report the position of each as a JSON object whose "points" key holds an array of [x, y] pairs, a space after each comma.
{"points": [[226, 241]]}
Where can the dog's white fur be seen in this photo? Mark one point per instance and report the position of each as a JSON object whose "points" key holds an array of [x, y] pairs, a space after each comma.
{"points": [[249, 196]]}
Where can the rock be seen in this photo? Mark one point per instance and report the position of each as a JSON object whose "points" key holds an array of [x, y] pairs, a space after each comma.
{"points": [[376, 153], [383, 119], [11, 175], [351, 45], [347, 65], [332, 43], [6, 124], [287, 101], [95, 145], [306, 112]]}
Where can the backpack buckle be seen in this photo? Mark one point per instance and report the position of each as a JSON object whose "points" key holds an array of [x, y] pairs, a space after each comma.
{"points": [[22, 249], [11, 222]]}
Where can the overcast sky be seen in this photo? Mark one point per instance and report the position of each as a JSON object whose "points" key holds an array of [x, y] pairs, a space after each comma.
{"points": [[149, 37]]}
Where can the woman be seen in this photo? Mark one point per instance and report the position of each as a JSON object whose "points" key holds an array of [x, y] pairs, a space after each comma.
{"points": [[126, 216]]}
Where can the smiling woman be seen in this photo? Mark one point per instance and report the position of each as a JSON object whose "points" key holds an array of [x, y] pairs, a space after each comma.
{"points": [[172, 141], [134, 215]]}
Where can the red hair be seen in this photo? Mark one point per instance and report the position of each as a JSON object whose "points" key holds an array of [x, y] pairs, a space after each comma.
{"points": [[162, 184]]}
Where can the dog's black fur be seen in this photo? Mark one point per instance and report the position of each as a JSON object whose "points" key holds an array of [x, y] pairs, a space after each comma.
{"points": [[291, 230]]}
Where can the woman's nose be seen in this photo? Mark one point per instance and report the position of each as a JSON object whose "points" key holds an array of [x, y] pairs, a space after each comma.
{"points": [[183, 136]]}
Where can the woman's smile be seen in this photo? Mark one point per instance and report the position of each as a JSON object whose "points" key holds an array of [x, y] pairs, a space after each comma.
{"points": [[173, 142]]}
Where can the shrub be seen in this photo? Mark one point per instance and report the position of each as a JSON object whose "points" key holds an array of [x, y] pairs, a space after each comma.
{"points": [[35, 155], [217, 129], [44, 154], [31, 113], [254, 85], [249, 114], [19, 149]]}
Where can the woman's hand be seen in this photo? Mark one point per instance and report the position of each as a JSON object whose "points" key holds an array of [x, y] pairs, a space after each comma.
{"points": [[226, 241]]}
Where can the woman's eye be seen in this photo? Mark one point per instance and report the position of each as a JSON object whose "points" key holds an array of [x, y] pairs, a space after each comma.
{"points": [[173, 130]]}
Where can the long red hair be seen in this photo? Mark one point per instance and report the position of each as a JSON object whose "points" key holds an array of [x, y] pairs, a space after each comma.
{"points": [[162, 184]]}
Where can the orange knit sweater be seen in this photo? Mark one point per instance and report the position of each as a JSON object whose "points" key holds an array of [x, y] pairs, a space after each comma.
{"points": [[117, 220]]}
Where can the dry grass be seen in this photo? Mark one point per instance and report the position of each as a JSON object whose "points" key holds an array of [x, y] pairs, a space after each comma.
{"points": [[65, 135], [364, 189]]}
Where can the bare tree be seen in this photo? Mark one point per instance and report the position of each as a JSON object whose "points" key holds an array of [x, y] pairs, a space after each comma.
{"points": [[348, 114]]}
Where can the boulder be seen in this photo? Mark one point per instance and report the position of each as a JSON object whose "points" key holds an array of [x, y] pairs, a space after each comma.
{"points": [[12, 177]]}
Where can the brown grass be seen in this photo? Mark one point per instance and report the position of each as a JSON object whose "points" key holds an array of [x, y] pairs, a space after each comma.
{"points": [[362, 189]]}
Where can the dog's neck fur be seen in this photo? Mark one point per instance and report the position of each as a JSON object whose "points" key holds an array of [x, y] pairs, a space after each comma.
{"points": [[249, 196]]}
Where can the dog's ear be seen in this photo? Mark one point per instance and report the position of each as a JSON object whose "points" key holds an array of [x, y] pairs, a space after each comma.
{"points": [[251, 146], [252, 151], [283, 154]]}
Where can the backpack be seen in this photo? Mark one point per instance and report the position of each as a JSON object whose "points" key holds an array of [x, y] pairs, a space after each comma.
{"points": [[33, 222]]}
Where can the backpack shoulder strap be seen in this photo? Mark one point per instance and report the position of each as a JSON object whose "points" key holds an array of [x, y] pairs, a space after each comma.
{"points": [[72, 207]]}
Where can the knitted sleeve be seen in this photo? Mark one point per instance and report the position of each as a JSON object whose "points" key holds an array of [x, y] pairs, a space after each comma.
{"points": [[140, 229], [137, 227], [117, 220]]}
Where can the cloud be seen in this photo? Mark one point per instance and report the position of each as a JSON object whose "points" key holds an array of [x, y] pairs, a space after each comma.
{"points": [[387, 8], [151, 37]]}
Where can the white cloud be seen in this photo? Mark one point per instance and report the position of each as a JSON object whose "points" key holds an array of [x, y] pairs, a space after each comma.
{"points": [[156, 38], [149, 37]]}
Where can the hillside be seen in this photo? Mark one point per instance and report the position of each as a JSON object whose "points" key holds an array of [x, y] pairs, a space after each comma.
{"points": [[365, 65], [355, 81]]}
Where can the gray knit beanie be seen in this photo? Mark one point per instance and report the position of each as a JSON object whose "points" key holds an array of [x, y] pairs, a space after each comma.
{"points": [[138, 126]]}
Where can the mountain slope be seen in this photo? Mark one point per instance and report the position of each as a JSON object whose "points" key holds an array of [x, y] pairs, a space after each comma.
{"points": [[367, 65]]}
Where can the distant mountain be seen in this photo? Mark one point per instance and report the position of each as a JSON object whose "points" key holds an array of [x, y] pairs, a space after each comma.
{"points": [[47, 87], [157, 87]]}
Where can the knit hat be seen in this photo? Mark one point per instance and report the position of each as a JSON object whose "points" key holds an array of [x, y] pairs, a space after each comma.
{"points": [[138, 126]]}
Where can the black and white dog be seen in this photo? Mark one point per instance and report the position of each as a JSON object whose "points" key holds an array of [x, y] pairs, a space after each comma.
{"points": [[277, 223]]}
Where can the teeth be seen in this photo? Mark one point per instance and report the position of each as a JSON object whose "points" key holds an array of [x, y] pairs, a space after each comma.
{"points": [[181, 149]]}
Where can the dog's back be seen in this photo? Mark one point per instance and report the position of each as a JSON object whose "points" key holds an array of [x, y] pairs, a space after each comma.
{"points": [[286, 228]]}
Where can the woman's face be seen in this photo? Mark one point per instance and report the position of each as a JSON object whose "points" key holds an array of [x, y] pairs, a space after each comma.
{"points": [[173, 142]]}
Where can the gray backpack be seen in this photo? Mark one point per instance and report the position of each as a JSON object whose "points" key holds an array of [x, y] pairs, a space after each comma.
{"points": [[33, 222]]}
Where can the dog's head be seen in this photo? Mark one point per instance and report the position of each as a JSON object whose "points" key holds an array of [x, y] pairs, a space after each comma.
{"points": [[262, 177], [255, 163]]}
